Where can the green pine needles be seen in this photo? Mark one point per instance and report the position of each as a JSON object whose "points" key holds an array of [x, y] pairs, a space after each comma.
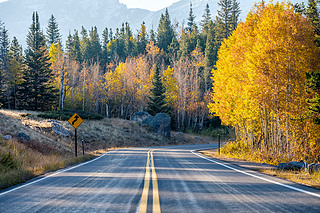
{"points": [[157, 102]]}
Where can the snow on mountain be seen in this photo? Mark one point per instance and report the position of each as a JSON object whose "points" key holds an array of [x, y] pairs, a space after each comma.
{"points": [[72, 14]]}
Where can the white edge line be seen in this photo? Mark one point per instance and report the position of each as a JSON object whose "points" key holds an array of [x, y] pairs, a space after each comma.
{"points": [[255, 176], [54, 174]]}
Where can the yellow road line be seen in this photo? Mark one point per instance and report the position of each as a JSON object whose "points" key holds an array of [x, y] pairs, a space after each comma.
{"points": [[156, 200], [144, 198]]}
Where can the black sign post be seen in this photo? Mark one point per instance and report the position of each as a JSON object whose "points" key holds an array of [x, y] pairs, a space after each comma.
{"points": [[75, 121]]}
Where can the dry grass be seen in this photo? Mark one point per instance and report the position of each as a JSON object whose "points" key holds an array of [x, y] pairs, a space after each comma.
{"points": [[20, 163], [301, 177]]}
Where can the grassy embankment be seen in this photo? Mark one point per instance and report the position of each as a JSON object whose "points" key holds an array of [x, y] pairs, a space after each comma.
{"points": [[46, 151], [240, 150]]}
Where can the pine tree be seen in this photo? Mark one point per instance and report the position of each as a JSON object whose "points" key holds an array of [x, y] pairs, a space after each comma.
{"points": [[210, 50], [53, 34], [37, 87], [157, 100], [206, 18], [94, 46], [235, 13], [141, 39], [4, 50], [128, 44], [313, 87], [312, 13], [76, 47], [165, 32], [14, 76], [191, 25], [224, 18], [204, 24], [152, 36], [84, 44]]}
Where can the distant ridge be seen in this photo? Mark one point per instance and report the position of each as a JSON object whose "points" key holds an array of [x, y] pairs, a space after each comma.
{"points": [[72, 14]]}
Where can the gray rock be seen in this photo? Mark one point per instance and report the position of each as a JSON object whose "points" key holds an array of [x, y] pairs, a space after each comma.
{"points": [[283, 166], [7, 137], [197, 138], [314, 167], [60, 130], [139, 116], [159, 123], [23, 136], [294, 165]]}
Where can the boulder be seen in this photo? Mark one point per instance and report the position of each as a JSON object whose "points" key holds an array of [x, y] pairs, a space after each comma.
{"points": [[60, 130], [139, 116], [314, 167], [159, 123], [7, 137], [23, 136], [294, 166]]}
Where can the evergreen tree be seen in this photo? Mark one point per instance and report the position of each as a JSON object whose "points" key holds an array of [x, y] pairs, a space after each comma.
{"points": [[37, 86], [14, 76], [152, 36], [235, 13], [224, 20], [53, 34], [84, 44], [210, 50], [105, 39], [313, 87], [76, 47], [157, 100], [312, 13], [4, 50], [128, 44], [141, 39], [206, 18], [94, 46], [165, 32], [191, 25]]}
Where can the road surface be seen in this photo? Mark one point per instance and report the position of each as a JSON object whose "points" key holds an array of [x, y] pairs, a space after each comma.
{"points": [[161, 179]]}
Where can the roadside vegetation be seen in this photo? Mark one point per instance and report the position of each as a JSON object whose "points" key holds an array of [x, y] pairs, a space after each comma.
{"points": [[239, 151]]}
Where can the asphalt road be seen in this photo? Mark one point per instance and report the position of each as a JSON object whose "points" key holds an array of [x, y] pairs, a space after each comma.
{"points": [[162, 179]]}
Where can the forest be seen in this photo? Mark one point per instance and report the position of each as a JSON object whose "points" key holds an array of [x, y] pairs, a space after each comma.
{"points": [[260, 76]]}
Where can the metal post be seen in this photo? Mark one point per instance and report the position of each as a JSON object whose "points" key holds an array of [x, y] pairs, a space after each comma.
{"points": [[75, 142], [82, 146], [219, 144]]}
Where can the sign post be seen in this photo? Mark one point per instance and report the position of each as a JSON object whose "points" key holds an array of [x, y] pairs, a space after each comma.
{"points": [[75, 121]]}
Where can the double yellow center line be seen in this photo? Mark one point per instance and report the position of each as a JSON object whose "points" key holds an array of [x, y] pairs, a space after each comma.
{"points": [[145, 192]]}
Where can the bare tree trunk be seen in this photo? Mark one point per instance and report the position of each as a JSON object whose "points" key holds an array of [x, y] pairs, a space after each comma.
{"points": [[83, 90]]}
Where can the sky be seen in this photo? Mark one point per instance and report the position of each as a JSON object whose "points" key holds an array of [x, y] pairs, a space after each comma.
{"points": [[153, 5]]}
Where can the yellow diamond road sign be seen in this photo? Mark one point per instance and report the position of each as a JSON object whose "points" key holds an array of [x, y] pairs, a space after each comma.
{"points": [[75, 120]]}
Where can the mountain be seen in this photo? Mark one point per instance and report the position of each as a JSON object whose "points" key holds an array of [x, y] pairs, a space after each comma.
{"points": [[72, 14]]}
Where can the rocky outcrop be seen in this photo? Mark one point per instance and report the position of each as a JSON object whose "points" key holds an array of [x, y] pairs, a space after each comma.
{"points": [[60, 130], [294, 166], [7, 137], [159, 123], [139, 116], [23, 136], [314, 167]]}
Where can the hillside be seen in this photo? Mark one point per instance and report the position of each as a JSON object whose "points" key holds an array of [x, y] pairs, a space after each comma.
{"points": [[72, 14]]}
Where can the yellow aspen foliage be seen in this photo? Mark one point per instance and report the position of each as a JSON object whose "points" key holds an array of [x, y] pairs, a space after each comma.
{"points": [[259, 83], [172, 87]]}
